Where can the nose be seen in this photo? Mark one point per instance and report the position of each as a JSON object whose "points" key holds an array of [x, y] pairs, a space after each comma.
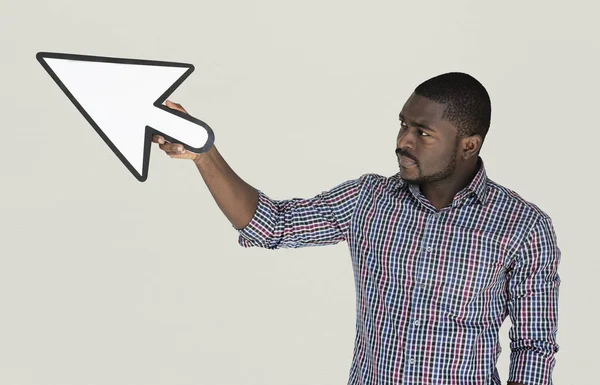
{"points": [[405, 139]]}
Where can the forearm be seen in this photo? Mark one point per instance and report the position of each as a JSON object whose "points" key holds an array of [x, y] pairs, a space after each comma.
{"points": [[236, 198]]}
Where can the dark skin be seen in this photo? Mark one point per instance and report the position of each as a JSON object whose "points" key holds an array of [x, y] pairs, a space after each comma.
{"points": [[444, 163], [435, 157]]}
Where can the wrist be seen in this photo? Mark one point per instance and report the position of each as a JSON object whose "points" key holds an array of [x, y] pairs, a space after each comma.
{"points": [[197, 158], [201, 157]]}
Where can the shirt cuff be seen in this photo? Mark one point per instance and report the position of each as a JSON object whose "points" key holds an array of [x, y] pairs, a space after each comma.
{"points": [[259, 231], [531, 366]]}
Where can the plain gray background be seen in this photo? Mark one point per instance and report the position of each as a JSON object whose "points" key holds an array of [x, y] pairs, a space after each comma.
{"points": [[106, 280]]}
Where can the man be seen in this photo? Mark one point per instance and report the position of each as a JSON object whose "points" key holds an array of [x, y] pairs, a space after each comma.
{"points": [[441, 254]]}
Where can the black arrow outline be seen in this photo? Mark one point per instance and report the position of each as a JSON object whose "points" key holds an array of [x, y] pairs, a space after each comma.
{"points": [[150, 131]]}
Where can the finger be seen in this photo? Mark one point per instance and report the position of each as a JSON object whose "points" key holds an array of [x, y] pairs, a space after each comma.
{"points": [[179, 155], [158, 139], [172, 148], [175, 106]]}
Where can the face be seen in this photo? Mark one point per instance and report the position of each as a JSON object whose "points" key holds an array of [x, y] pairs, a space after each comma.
{"points": [[427, 146]]}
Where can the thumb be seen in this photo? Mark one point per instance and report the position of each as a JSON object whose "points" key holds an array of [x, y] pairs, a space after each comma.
{"points": [[175, 106]]}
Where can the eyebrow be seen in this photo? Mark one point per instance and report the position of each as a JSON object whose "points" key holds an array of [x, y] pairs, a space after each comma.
{"points": [[420, 125]]}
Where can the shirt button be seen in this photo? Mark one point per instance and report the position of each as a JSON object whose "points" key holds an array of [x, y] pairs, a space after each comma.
{"points": [[429, 249], [417, 323], [412, 361]]}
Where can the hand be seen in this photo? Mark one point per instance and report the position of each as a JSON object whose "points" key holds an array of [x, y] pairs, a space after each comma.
{"points": [[175, 150]]}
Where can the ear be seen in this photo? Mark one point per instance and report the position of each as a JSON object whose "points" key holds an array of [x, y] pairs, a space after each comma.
{"points": [[470, 146]]}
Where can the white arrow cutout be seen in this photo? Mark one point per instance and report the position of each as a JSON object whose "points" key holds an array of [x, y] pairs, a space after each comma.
{"points": [[123, 98]]}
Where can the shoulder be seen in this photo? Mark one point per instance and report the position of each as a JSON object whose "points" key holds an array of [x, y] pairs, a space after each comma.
{"points": [[381, 183], [519, 206]]}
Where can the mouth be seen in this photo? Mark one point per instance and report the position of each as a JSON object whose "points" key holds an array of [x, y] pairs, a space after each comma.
{"points": [[407, 162]]}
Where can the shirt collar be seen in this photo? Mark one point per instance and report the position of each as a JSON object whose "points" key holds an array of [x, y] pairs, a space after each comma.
{"points": [[477, 187]]}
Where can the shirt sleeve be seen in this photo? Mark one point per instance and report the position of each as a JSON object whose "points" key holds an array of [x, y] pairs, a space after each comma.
{"points": [[293, 223], [533, 307]]}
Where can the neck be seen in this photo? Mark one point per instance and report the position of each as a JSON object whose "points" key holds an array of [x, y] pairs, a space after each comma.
{"points": [[441, 193]]}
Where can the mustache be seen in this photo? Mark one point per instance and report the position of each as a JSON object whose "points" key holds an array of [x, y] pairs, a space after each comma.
{"points": [[401, 152]]}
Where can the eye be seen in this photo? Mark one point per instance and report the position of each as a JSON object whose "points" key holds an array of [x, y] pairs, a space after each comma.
{"points": [[423, 133], [403, 124]]}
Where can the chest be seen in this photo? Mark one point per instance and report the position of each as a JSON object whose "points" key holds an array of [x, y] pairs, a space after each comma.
{"points": [[452, 260]]}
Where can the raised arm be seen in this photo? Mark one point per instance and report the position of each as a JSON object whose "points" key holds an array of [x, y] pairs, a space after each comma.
{"points": [[264, 222], [236, 198]]}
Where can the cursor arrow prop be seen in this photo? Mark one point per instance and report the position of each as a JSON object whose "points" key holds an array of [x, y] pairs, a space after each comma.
{"points": [[123, 100]]}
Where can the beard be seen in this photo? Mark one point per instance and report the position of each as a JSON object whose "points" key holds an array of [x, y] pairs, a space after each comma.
{"points": [[437, 176]]}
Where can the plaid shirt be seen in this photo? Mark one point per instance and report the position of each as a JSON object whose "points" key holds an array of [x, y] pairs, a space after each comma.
{"points": [[433, 288]]}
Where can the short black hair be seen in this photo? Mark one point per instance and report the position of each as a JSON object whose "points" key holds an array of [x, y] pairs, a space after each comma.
{"points": [[468, 104]]}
